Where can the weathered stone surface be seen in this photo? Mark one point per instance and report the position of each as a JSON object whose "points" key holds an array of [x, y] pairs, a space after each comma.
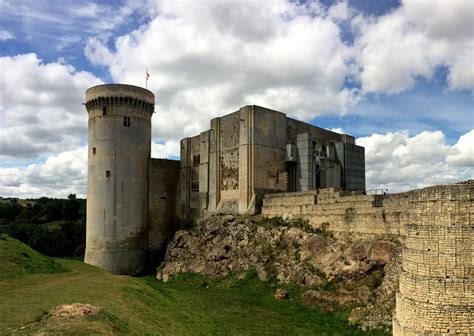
{"points": [[221, 245]]}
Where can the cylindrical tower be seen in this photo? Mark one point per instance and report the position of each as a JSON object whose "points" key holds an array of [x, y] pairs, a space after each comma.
{"points": [[436, 294], [117, 187]]}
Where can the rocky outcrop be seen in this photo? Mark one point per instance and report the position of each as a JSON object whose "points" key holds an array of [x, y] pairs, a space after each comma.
{"points": [[289, 252]]}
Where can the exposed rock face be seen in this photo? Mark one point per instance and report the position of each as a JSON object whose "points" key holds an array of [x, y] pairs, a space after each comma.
{"points": [[290, 252]]}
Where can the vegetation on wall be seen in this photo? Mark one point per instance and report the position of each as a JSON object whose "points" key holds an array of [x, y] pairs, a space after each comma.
{"points": [[54, 227]]}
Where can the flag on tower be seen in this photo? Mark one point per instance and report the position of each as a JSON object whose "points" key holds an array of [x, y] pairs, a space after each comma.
{"points": [[147, 75]]}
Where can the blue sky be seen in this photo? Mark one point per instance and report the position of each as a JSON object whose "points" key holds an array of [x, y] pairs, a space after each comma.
{"points": [[398, 75]]}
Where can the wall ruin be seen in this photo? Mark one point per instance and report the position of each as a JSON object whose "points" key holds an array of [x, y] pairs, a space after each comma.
{"points": [[436, 225]]}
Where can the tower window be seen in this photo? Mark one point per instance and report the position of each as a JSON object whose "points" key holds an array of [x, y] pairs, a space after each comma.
{"points": [[107, 173], [104, 110], [93, 150], [126, 121]]}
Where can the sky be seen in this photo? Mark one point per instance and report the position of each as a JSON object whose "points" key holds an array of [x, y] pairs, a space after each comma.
{"points": [[398, 75]]}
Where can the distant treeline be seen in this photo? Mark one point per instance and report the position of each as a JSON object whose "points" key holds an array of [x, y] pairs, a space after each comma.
{"points": [[54, 227]]}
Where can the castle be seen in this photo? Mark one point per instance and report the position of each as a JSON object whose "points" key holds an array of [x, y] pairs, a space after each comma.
{"points": [[134, 202], [259, 160]]}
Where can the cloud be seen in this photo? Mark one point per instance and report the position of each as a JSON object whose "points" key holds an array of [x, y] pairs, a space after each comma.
{"points": [[47, 27], [209, 58], [401, 162], [165, 150], [60, 175], [6, 35], [413, 41], [40, 107], [462, 154]]}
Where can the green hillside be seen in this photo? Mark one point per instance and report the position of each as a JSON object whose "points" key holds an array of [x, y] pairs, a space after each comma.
{"points": [[189, 305], [17, 259]]}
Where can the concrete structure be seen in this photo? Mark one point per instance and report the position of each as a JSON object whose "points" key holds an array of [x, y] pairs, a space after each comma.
{"points": [[255, 151], [436, 295]]}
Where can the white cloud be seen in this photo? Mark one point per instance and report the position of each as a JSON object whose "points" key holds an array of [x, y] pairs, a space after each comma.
{"points": [[413, 41], [399, 162], [462, 154], [165, 150], [40, 107], [59, 176], [6, 35], [209, 58]]}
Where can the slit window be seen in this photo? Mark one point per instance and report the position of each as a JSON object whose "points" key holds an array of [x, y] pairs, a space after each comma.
{"points": [[93, 150], [104, 110], [107, 173], [126, 121]]}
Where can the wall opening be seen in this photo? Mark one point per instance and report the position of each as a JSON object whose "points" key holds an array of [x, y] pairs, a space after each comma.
{"points": [[126, 121], [107, 173], [104, 110], [93, 150]]}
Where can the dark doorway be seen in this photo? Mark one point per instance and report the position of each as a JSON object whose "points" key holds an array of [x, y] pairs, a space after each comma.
{"points": [[291, 169]]}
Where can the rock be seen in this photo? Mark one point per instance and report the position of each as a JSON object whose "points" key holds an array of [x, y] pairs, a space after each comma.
{"points": [[75, 310], [363, 294], [281, 294], [311, 295], [229, 244], [262, 274]]}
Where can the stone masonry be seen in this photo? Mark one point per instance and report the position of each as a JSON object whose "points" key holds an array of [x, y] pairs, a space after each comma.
{"points": [[437, 225]]}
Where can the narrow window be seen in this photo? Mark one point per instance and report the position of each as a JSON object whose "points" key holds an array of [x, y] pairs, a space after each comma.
{"points": [[93, 150], [107, 173], [126, 121], [104, 110]]}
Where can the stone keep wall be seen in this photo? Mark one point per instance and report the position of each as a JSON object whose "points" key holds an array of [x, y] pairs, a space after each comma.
{"points": [[437, 223]]}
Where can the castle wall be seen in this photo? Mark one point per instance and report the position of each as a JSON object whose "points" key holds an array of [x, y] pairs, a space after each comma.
{"points": [[436, 294], [243, 156], [437, 225], [262, 151], [295, 127], [162, 198]]}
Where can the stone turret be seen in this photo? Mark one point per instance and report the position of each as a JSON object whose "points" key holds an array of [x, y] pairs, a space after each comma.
{"points": [[118, 173]]}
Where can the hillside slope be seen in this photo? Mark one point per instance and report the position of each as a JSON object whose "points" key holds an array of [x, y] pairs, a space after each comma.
{"points": [[87, 301], [18, 259]]}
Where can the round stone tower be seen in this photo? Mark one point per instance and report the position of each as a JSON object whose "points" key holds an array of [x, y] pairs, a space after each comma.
{"points": [[436, 295], [117, 187]]}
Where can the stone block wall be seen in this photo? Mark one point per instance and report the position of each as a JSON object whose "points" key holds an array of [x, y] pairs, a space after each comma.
{"points": [[437, 226], [436, 294]]}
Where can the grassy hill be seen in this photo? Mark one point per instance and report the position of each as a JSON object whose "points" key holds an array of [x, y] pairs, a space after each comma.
{"points": [[189, 305], [17, 259]]}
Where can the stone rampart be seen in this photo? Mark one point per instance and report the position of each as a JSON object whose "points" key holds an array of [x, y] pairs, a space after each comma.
{"points": [[436, 224]]}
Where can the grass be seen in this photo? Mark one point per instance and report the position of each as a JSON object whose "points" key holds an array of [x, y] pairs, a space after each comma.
{"points": [[18, 259], [188, 305]]}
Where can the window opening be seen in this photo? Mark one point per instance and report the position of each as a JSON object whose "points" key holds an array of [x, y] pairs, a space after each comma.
{"points": [[107, 173], [104, 110], [93, 150], [126, 121]]}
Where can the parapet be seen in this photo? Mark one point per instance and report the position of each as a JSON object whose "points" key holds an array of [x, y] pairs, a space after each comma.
{"points": [[118, 94]]}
